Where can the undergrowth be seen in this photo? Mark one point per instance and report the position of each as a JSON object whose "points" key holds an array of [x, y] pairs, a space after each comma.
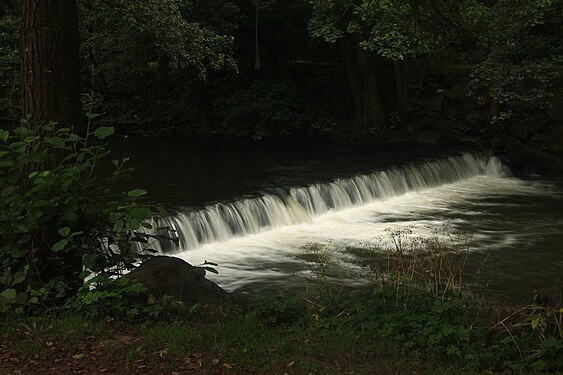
{"points": [[414, 318]]}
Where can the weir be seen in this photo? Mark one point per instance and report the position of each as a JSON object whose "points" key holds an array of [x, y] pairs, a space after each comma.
{"points": [[294, 205]]}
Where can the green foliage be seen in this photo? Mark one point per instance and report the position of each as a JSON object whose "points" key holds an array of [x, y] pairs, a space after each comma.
{"points": [[102, 297], [525, 59], [60, 218], [9, 67], [394, 29], [139, 57]]}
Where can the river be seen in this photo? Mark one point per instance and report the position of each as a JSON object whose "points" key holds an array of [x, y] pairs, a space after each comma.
{"points": [[263, 211]]}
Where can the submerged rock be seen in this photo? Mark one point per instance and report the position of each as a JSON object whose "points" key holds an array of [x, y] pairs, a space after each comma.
{"points": [[163, 275]]}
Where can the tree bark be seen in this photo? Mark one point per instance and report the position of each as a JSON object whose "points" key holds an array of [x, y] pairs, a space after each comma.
{"points": [[49, 45], [373, 107], [363, 85], [354, 79]]}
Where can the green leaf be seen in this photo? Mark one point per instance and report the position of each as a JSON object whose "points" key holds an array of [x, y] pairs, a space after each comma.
{"points": [[8, 294], [65, 231], [136, 193], [89, 261], [19, 277], [6, 279], [118, 227], [60, 245], [140, 213], [21, 298], [4, 134], [103, 132], [133, 224], [7, 191]]}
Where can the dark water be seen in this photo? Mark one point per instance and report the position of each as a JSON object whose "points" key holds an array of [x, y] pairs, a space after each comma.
{"points": [[515, 225], [193, 172]]}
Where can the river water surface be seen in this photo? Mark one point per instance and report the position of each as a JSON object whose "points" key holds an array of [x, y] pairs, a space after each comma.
{"points": [[262, 211]]}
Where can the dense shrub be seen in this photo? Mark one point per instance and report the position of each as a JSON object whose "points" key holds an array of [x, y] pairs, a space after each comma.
{"points": [[60, 219]]}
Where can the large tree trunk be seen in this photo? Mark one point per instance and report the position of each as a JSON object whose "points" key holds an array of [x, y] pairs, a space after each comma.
{"points": [[49, 63]]}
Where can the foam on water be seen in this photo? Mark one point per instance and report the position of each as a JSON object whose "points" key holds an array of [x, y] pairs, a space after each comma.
{"points": [[266, 240]]}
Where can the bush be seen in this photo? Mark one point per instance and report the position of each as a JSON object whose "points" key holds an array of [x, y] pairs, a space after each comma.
{"points": [[60, 221]]}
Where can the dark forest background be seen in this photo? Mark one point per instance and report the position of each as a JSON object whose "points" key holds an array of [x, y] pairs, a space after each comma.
{"points": [[347, 70]]}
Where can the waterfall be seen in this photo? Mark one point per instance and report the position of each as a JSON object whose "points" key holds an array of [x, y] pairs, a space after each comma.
{"points": [[295, 205]]}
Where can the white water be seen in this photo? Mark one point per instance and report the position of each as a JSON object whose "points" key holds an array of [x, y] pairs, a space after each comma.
{"points": [[265, 241], [224, 221]]}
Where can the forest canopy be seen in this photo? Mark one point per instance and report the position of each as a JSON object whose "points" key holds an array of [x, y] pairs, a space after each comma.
{"points": [[329, 69]]}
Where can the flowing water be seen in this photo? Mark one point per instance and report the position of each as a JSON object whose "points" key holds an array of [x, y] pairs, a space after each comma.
{"points": [[264, 213]]}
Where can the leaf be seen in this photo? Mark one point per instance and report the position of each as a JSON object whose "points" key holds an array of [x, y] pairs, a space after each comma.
{"points": [[140, 213], [136, 193], [103, 132], [90, 260], [19, 277], [7, 191], [64, 231], [60, 245], [8, 294], [4, 134], [78, 356], [6, 279], [21, 298], [211, 269], [133, 224]]}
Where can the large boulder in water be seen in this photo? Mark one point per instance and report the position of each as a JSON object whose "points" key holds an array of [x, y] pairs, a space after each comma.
{"points": [[163, 275]]}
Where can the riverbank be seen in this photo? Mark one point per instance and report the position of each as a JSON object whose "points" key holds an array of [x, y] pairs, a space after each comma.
{"points": [[386, 330]]}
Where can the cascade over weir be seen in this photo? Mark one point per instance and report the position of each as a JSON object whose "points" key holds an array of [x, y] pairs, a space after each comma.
{"points": [[294, 205]]}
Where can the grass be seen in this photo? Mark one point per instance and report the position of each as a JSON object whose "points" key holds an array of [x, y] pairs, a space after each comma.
{"points": [[415, 318]]}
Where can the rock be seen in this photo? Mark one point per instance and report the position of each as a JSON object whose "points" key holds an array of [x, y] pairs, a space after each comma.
{"points": [[163, 275], [533, 159]]}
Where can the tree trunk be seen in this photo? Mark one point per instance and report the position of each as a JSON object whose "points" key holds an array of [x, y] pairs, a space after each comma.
{"points": [[50, 67], [373, 108], [363, 85], [402, 81], [354, 79]]}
